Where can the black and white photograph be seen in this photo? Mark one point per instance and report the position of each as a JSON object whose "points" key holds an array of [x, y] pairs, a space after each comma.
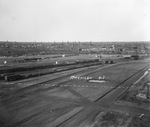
{"points": [[74, 63]]}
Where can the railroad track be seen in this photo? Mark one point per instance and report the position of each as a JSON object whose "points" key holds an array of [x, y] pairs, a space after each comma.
{"points": [[53, 83], [122, 83], [76, 93], [7, 87]]}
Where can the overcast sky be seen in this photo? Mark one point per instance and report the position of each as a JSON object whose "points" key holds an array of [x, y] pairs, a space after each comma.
{"points": [[75, 20]]}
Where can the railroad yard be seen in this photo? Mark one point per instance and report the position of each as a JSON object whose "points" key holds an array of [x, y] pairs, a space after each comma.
{"points": [[74, 63], [87, 92]]}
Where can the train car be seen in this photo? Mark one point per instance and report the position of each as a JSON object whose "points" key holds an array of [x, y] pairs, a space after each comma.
{"points": [[13, 77], [135, 57]]}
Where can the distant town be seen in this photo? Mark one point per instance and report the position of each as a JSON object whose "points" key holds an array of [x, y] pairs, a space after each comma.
{"points": [[15, 49]]}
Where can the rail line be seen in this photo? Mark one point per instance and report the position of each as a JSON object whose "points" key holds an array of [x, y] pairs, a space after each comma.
{"points": [[122, 83], [38, 85], [74, 92]]}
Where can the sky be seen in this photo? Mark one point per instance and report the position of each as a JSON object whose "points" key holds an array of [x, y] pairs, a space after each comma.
{"points": [[74, 20]]}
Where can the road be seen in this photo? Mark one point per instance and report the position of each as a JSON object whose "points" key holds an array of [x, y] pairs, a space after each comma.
{"points": [[71, 103]]}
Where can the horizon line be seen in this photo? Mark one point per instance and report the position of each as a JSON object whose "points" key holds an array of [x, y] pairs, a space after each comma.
{"points": [[70, 41]]}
